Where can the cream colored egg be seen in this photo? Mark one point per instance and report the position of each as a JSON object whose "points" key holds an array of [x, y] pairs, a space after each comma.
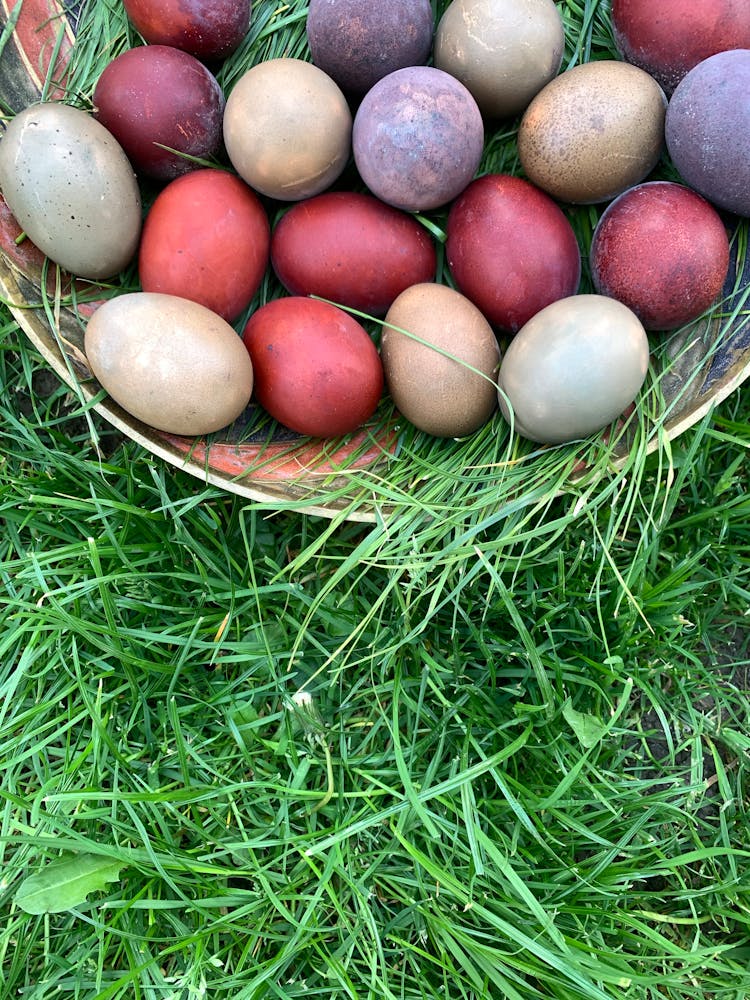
{"points": [[593, 131], [287, 129], [503, 51], [71, 189], [573, 368], [441, 362], [171, 363]]}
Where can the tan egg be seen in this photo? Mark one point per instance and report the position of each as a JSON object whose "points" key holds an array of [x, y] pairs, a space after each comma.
{"points": [[71, 188], [170, 362], [593, 131], [287, 129], [503, 51], [573, 368], [441, 371]]}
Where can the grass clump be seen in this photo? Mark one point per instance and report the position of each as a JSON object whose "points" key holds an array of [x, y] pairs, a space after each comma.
{"points": [[334, 766]]}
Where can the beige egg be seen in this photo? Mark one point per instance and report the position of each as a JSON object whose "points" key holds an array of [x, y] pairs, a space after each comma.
{"points": [[503, 51], [441, 363], [573, 368], [593, 131], [287, 129], [171, 363], [71, 189]]}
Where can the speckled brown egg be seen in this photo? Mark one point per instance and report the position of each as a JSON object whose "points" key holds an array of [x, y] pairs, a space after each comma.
{"points": [[573, 369], [287, 129], [503, 51], [170, 362], [441, 361], [593, 132], [71, 188]]}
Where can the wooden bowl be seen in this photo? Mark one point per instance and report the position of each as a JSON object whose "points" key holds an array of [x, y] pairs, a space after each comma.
{"points": [[700, 367]]}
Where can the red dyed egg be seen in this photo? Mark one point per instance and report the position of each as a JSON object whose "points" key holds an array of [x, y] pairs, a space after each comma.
{"points": [[511, 249], [156, 96], [668, 37], [207, 29], [663, 251], [316, 369], [353, 249], [206, 238]]}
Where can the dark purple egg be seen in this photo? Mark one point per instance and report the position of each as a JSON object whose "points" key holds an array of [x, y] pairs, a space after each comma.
{"points": [[358, 42], [418, 138], [707, 129]]}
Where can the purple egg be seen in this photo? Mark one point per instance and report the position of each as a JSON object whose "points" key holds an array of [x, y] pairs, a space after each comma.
{"points": [[418, 138], [708, 129]]}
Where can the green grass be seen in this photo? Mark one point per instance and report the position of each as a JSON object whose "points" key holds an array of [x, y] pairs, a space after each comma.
{"points": [[479, 749], [520, 775]]}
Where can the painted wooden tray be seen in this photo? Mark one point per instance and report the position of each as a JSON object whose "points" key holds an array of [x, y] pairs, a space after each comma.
{"points": [[701, 367]]}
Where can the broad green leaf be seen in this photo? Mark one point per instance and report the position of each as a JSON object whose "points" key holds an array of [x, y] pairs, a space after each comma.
{"points": [[587, 728], [66, 882]]}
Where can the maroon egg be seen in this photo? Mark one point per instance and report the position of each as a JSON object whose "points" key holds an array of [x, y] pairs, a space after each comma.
{"points": [[358, 42], [315, 367], [157, 96], [353, 249], [418, 138], [663, 251], [206, 238], [511, 249], [207, 29], [707, 130], [668, 38]]}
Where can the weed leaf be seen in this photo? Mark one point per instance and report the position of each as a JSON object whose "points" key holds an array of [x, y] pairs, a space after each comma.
{"points": [[587, 728], [65, 883]]}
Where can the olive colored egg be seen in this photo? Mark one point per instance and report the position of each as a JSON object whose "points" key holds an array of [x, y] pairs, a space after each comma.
{"points": [[358, 42], [593, 131], [418, 138], [708, 129], [170, 362], [287, 129], [71, 189], [573, 369], [441, 361], [503, 51]]}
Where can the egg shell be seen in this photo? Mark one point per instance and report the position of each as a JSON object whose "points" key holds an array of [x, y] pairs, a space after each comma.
{"points": [[316, 369], [358, 42], [444, 381], [154, 96], [287, 129], [71, 188], [592, 132], [708, 130], [207, 238], [170, 362], [573, 369], [351, 248], [207, 29], [511, 249], [670, 37], [503, 51], [418, 138], [663, 251]]}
